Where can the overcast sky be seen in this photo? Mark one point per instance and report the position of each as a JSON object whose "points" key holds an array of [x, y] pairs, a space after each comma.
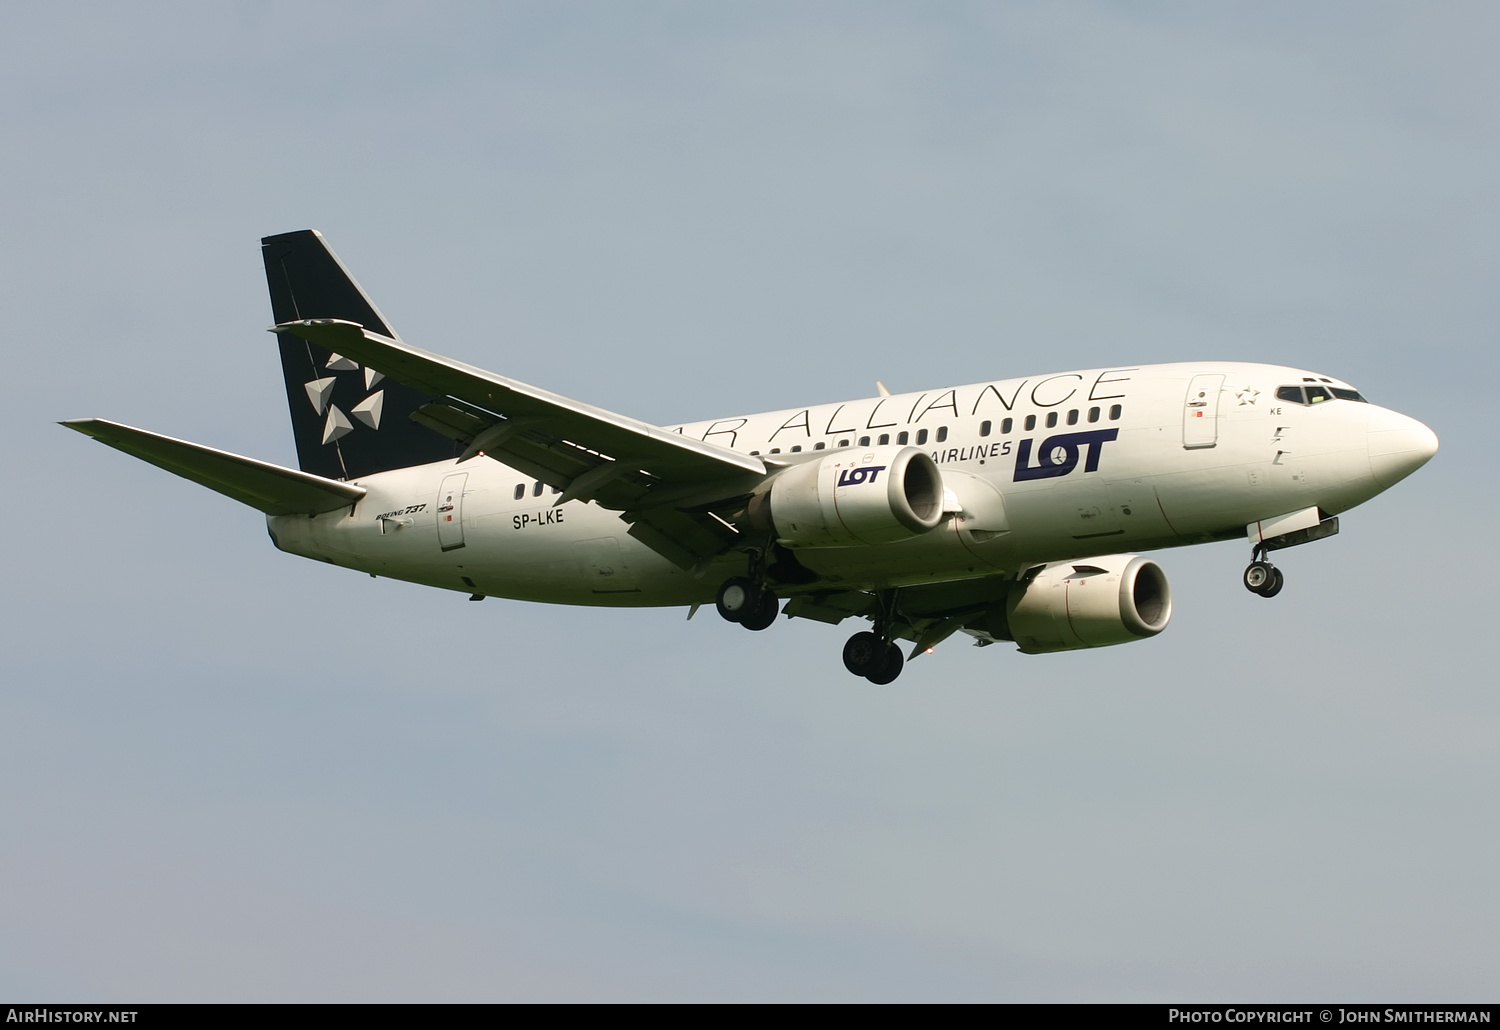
{"points": [[230, 774]]}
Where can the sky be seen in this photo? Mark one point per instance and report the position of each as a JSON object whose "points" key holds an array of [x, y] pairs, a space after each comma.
{"points": [[228, 774]]}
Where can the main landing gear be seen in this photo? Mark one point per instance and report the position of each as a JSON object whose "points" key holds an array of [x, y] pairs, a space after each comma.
{"points": [[877, 660], [748, 603], [1261, 577], [875, 656]]}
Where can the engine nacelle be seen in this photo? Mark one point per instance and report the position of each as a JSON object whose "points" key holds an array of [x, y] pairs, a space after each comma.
{"points": [[1093, 602], [865, 495]]}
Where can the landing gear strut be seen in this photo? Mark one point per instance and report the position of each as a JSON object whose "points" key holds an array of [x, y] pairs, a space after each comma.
{"points": [[1263, 578]]}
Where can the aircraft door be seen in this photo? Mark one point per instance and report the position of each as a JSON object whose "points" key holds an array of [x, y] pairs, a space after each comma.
{"points": [[1200, 412], [450, 511]]}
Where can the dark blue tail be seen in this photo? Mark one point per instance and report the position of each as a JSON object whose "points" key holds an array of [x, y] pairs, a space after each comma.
{"points": [[348, 421]]}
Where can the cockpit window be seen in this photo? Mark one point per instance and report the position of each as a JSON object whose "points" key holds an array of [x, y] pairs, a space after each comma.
{"points": [[1316, 394]]}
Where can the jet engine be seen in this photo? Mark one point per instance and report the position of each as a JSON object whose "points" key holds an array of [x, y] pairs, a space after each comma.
{"points": [[875, 495], [1095, 602]]}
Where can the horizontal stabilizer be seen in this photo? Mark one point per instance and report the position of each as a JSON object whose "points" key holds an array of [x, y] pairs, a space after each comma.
{"points": [[270, 488]]}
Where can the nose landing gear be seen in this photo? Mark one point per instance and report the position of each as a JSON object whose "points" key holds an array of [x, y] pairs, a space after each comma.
{"points": [[1263, 578]]}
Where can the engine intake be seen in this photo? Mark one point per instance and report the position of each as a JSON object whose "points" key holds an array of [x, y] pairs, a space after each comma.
{"points": [[876, 495], [1094, 602]]}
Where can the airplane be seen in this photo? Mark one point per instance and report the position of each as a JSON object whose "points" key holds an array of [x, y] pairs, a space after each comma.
{"points": [[1005, 511]]}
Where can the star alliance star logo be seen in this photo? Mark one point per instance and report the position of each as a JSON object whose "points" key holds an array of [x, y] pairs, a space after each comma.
{"points": [[336, 423], [1247, 395]]}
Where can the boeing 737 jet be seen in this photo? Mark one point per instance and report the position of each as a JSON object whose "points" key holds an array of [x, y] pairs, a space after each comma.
{"points": [[1003, 510]]}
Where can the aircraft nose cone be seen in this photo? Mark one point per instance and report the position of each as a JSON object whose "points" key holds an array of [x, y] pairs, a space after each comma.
{"points": [[1398, 445]]}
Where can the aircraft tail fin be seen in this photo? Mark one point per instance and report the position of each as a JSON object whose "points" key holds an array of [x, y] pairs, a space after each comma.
{"points": [[348, 421], [270, 488]]}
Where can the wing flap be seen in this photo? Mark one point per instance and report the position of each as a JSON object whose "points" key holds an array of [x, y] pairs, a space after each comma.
{"points": [[269, 488], [683, 539]]}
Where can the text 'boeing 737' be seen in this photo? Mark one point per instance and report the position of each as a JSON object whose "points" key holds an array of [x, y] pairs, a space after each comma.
{"points": [[1002, 510]]}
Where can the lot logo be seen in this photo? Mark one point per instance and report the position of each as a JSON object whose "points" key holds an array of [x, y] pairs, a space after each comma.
{"points": [[854, 477], [1058, 455]]}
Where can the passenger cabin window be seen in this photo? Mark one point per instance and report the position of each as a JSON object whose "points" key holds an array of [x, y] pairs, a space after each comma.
{"points": [[885, 438], [1030, 423], [942, 433], [536, 491], [1093, 414], [1073, 417], [864, 441], [984, 429], [520, 490], [819, 445], [775, 450], [796, 448], [1051, 419], [843, 443], [1114, 413], [921, 437], [1005, 426], [901, 438]]}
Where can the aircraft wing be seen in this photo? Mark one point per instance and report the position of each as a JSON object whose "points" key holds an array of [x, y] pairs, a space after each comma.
{"points": [[270, 488], [588, 453]]}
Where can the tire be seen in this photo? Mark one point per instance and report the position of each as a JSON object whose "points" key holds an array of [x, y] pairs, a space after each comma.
{"points": [[1258, 576], [737, 596], [762, 617], [890, 669], [1274, 587], [864, 653]]}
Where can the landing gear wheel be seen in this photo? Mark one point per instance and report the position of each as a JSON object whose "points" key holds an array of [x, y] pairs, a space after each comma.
{"points": [[763, 616], [1263, 578], [737, 598], [890, 669], [1277, 582], [865, 653]]}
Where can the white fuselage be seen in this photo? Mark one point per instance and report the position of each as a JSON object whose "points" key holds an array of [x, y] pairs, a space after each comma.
{"points": [[1170, 455]]}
